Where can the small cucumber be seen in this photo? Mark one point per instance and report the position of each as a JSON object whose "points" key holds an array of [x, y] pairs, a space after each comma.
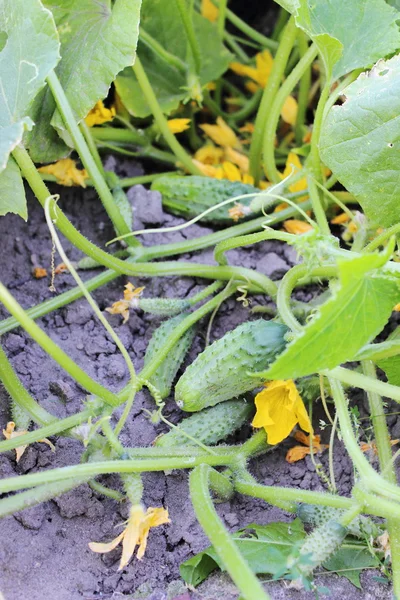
{"points": [[163, 307], [360, 527], [191, 195], [210, 425], [165, 374], [220, 372], [322, 542]]}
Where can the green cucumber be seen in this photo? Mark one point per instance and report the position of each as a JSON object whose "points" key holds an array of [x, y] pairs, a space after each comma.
{"points": [[360, 527], [211, 425], [163, 307], [322, 542], [164, 376], [191, 195], [221, 371]]}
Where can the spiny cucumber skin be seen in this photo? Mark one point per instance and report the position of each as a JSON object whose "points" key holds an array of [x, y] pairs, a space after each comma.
{"points": [[315, 515], [165, 374], [163, 307], [211, 425], [321, 544], [220, 372], [191, 195]]}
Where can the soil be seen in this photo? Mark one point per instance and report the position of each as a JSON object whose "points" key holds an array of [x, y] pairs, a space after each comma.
{"points": [[44, 551]]}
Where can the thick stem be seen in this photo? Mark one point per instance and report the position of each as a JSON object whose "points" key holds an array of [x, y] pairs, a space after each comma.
{"points": [[86, 157], [270, 90], [186, 17], [236, 565], [272, 121], [253, 34], [247, 240], [365, 383], [171, 59], [304, 91]]}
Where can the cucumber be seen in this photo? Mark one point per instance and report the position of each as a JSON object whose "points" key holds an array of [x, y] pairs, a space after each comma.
{"points": [[211, 425], [163, 307], [220, 372], [165, 374], [360, 527], [191, 195], [321, 544]]}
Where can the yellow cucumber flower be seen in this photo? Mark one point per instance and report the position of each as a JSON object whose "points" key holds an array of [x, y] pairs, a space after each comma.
{"points": [[66, 172], [121, 307], [209, 155], [293, 166], [279, 409], [10, 433], [296, 226], [299, 452], [221, 134], [209, 10], [135, 533], [99, 114], [178, 125]]}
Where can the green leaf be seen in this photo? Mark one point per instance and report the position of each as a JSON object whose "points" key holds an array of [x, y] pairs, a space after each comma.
{"points": [[357, 311], [394, 3], [349, 562], [97, 41], [391, 365], [265, 548], [12, 193], [29, 51], [161, 21], [360, 142], [349, 35]]}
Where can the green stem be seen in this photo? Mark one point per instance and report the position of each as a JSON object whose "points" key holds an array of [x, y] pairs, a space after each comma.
{"points": [[234, 46], [382, 438], [236, 565], [152, 101], [88, 470], [112, 438], [253, 34], [380, 351], [86, 157], [144, 152], [272, 120], [304, 91], [222, 17], [359, 380], [20, 394], [87, 134], [248, 108], [124, 183], [270, 90], [247, 240], [382, 238], [120, 136], [186, 18], [171, 59], [53, 350]]}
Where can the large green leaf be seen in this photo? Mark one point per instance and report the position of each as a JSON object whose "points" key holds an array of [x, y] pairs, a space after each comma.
{"points": [[12, 193], [360, 142], [391, 365], [29, 51], [161, 21], [355, 314], [349, 562], [349, 35], [265, 547], [97, 41]]}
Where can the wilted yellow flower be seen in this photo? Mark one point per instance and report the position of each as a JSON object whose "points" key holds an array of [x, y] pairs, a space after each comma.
{"points": [[10, 433], [121, 307], [178, 125], [99, 114], [296, 226], [39, 272], [209, 155], [209, 10], [289, 110], [221, 134], [260, 72], [293, 166], [135, 533], [279, 409], [238, 159], [299, 452], [66, 173], [340, 219]]}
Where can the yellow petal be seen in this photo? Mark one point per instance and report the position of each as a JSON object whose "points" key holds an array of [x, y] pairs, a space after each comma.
{"points": [[289, 110], [293, 166], [178, 125], [238, 159], [131, 535], [340, 219], [231, 172], [297, 453], [207, 170], [209, 10], [66, 172], [297, 227], [120, 308], [209, 155], [99, 114], [396, 309], [247, 128], [221, 133], [244, 70], [107, 547], [132, 292], [249, 179], [48, 442], [252, 87]]}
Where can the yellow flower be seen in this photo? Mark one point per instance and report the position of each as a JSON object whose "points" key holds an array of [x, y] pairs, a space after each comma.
{"points": [[10, 433], [289, 110], [209, 155], [121, 307], [178, 125], [293, 166], [260, 72], [279, 409], [237, 158], [66, 173], [296, 226], [340, 219], [209, 10], [299, 452], [221, 134], [99, 114], [135, 533]]}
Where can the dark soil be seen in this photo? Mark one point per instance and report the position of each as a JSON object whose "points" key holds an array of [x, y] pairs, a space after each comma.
{"points": [[44, 550]]}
